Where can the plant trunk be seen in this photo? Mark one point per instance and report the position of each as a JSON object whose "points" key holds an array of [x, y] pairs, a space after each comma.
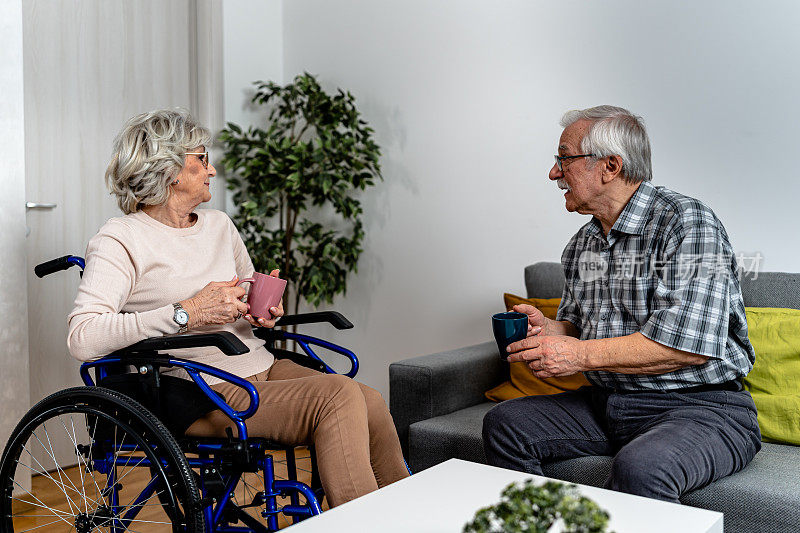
{"points": [[296, 307], [281, 205], [287, 243], [291, 220]]}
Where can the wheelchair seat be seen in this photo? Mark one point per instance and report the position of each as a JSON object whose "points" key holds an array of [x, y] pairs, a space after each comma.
{"points": [[178, 403]]}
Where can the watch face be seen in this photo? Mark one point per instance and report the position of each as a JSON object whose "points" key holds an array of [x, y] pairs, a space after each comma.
{"points": [[181, 317]]}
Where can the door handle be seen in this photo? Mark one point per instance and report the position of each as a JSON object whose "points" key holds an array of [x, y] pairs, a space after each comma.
{"points": [[34, 205]]}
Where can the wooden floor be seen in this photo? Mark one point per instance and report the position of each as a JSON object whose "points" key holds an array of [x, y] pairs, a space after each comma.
{"points": [[32, 516]]}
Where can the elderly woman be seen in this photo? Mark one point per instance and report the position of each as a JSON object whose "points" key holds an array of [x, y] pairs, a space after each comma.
{"points": [[167, 267]]}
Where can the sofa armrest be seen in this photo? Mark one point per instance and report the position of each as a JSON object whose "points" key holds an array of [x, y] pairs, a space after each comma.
{"points": [[438, 384]]}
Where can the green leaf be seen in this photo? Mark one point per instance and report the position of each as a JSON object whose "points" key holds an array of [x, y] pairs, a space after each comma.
{"points": [[315, 153], [535, 508]]}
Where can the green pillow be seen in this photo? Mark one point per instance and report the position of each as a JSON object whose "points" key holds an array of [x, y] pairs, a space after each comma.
{"points": [[774, 381]]}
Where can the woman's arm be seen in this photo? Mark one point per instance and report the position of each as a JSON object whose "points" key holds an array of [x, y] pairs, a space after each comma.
{"points": [[244, 265], [96, 325]]}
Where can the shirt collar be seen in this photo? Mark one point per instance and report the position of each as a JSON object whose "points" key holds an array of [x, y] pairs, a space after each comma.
{"points": [[637, 211]]}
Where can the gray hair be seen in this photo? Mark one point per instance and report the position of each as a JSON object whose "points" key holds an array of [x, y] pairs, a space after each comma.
{"points": [[616, 131], [149, 153]]}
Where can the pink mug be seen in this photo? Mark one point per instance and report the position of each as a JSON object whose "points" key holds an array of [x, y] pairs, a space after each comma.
{"points": [[265, 292]]}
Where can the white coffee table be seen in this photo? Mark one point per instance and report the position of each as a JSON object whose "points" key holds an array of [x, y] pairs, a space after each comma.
{"points": [[446, 496]]}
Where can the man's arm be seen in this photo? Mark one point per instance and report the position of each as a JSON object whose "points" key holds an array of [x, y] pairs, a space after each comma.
{"points": [[636, 354], [561, 327], [561, 355]]}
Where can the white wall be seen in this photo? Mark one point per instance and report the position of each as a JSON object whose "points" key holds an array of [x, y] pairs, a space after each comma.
{"points": [[14, 392], [252, 50], [465, 98]]}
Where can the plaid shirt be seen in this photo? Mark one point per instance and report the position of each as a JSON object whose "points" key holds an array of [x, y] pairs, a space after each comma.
{"points": [[666, 270]]}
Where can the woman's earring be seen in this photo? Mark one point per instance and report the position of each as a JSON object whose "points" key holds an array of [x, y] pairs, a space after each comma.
{"points": [[176, 182]]}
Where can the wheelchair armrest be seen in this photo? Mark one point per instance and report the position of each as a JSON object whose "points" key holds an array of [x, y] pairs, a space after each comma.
{"points": [[224, 340], [334, 318]]}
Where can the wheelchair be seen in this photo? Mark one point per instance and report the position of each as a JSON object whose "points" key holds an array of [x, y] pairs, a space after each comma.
{"points": [[134, 468]]}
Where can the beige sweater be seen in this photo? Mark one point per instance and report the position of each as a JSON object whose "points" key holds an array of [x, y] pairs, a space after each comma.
{"points": [[137, 267]]}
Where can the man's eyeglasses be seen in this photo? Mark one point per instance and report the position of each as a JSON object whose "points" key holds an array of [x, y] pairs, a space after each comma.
{"points": [[560, 158], [202, 156]]}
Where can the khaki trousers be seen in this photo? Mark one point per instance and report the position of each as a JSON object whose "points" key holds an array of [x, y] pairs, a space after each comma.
{"points": [[347, 422]]}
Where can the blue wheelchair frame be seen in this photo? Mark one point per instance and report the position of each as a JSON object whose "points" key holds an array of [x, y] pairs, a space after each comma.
{"points": [[213, 512]]}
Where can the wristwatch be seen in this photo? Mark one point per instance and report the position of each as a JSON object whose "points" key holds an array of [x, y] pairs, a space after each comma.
{"points": [[181, 317]]}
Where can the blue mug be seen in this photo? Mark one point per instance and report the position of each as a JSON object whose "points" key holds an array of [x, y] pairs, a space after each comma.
{"points": [[509, 327]]}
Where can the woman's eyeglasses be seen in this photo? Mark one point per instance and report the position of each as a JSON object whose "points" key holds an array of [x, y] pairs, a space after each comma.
{"points": [[202, 156]]}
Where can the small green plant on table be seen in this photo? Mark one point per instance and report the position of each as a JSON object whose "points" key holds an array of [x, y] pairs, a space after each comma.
{"points": [[545, 508]]}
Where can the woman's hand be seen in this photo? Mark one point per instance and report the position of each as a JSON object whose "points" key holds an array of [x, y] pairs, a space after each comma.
{"points": [[217, 303], [276, 312]]}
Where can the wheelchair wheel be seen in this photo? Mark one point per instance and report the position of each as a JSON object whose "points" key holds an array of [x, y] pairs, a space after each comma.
{"points": [[99, 461]]}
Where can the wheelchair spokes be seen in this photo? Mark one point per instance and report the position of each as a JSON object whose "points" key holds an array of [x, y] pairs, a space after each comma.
{"points": [[95, 466], [51, 477], [98, 492]]}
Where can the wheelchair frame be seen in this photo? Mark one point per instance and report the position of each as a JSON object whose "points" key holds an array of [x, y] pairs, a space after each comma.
{"points": [[221, 462]]}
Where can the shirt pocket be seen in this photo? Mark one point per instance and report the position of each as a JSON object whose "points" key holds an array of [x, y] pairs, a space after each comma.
{"points": [[632, 296]]}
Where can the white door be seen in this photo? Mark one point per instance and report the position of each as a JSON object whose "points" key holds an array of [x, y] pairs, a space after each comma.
{"points": [[13, 303], [89, 65]]}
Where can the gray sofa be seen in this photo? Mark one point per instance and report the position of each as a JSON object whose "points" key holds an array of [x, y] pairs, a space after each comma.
{"points": [[438, 405]]}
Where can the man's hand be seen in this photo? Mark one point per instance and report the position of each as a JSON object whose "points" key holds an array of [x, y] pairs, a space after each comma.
{"points": [[538, 324], [536, 319], [549, 355]]}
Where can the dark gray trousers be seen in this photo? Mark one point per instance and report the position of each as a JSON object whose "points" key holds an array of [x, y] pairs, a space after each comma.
{"points": [[664, 443]]}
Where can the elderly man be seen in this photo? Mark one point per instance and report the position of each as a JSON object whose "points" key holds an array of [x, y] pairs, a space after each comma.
{"points": [[651, 313]]}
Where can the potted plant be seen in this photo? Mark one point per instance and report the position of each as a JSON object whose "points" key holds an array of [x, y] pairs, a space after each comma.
{"points": [[545, 508], [296, 186]]}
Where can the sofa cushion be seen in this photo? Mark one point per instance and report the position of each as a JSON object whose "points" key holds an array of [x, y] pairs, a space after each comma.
{"points": [[548, 306], [774, 381], [771, 289], [763, 497], [544, 280], [590, 470], [456, 435]]}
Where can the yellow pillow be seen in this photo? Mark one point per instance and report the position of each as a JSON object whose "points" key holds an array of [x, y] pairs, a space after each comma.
{"points": [[774, 381], [522, 382]]}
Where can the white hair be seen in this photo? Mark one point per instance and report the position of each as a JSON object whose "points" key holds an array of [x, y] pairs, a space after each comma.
{"points": [[148, 154], [616, 131]]}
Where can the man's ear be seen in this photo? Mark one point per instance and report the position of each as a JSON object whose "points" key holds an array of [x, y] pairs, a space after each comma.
{"points": [[612, 168]]}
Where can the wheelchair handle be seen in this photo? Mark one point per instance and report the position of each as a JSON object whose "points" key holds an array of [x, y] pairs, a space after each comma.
{"points": [[56, 265]]}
